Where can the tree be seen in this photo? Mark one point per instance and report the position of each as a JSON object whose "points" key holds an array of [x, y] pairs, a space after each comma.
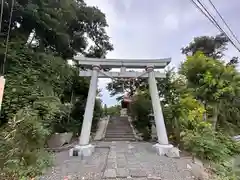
{"points": [[44, 34], [118, 86], [214, 47], [62, 27], [210, 80], [58, 28], [209, 46]]}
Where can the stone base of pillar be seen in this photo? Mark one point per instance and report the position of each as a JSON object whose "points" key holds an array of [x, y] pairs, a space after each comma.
{"points": [[162, 149], [83, 151]]}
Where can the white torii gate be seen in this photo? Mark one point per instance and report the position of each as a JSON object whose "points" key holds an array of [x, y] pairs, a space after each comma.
{"points": [[94, 66]]}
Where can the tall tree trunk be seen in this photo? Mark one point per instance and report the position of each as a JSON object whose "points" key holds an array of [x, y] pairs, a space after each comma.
{"points": [[215, 116]]}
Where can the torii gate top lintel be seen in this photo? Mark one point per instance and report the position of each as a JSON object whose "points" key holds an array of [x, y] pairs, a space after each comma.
{"points": [[128, 63]]}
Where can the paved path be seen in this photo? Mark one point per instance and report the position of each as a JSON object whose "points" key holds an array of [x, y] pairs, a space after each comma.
{"points": [[119, 161]]}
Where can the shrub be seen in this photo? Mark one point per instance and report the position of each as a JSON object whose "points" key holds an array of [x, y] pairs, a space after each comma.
{"points": [[140, 110], [209, 145], [63, 121], [22, 142], [233, 146]]}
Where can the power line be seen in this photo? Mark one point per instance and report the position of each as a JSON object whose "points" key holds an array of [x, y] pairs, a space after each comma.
{"points": [[234, 35], [219, 27], [213, 21], [1, 15], [198, 7], [8, 35]]}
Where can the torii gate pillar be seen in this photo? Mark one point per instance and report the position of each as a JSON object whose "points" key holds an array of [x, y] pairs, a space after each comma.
{"points": [[162, 146], [84, 148]]}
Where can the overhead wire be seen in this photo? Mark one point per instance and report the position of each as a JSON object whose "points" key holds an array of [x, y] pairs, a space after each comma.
{"points": [[213, 21], [1, 15], [198, 7], [7, 40], [233, 34]]}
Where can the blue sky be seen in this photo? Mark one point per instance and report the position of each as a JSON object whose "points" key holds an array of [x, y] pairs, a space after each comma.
{"points": [[158, 29]]}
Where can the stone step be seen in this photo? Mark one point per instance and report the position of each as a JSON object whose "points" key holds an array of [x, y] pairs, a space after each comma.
{"points": [[120, 132], [123, 123], [118, 127], [118, 124], [117, 136], [120, 139]]}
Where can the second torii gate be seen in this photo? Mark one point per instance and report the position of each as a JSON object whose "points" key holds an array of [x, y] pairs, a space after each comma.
{"points": [[94, 68]]}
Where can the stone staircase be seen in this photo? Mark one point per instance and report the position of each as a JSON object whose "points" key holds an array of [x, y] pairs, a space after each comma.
{"points": [[119, 129]]}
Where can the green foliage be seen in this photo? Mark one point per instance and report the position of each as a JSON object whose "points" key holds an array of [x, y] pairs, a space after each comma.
{"points": [[185, 114], [63, 121], [216, 85], [210, 81], [114, 110], [209, 145], [210, 46], [31, 75], [58, 26], [118, 86], [140, 110], [22, 144], [39, 81], [209, 78], [191, 114], [224, 170]]}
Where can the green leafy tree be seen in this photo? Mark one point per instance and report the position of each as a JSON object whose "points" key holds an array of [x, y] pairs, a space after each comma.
{"points": [[44, 34], [210, 81], [209, 46], [119, 86], [141, 107], [62, 27]]}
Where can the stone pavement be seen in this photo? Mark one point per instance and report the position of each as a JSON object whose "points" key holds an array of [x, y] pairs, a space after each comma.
{"points": [[119, 160]]}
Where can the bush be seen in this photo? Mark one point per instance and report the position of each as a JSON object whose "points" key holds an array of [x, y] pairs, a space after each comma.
{"points": [[140, 110], [224, 170], [210, 145], [22, 142], [64, 122]]}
